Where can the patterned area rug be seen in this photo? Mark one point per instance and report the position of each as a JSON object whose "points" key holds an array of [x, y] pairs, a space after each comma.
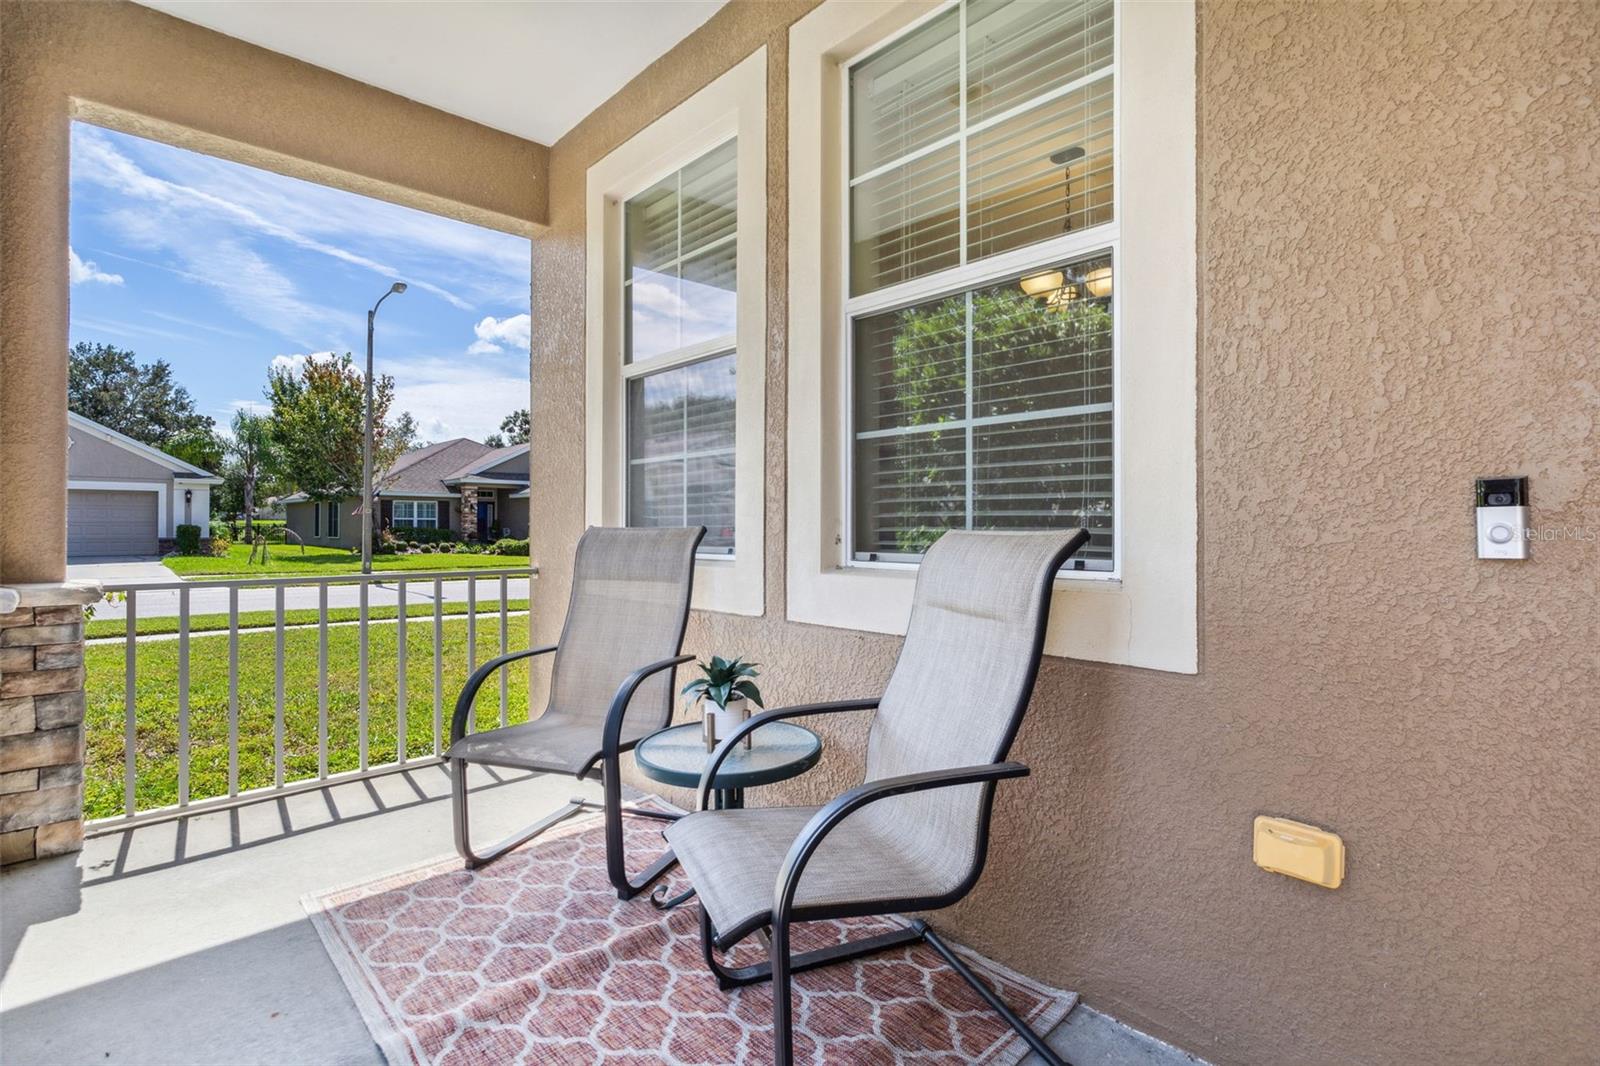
{"points": [[533, 959]]}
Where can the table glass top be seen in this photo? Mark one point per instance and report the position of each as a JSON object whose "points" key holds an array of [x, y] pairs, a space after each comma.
{"points": [[778, 751]]}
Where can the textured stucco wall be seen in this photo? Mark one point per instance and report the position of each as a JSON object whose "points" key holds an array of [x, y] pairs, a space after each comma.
{"points": [[1399, 256], [148, 73]]}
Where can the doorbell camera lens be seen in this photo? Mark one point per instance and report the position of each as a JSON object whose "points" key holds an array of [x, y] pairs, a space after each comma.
{"points": [[1499, 499]]}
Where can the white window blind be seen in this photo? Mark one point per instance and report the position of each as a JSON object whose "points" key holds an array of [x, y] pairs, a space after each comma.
{"points": [[680, 282], [988, 129]]}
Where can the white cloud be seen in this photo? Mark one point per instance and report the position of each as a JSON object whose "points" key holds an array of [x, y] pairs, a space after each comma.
{"points": [[296, 361], [88, 270], [99, 161], [495, 334], [453, 397]]}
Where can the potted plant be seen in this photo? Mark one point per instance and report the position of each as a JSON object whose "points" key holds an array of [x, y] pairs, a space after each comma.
{"points": [[726, 691]]}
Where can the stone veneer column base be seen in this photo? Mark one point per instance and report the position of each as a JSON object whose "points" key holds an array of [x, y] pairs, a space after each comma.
{"points": [[41, 720]]}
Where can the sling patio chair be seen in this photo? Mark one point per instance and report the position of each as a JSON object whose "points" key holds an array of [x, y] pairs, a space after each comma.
{"points": [[610, 687], [914, 836]]}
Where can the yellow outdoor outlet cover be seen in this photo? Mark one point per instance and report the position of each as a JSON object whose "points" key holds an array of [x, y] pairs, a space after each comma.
{"points": [[1299, 850]]}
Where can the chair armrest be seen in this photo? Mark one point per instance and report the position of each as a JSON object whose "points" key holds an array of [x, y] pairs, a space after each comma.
{"points": [[619, 703], [750, 725], [841, 806], [469, 691]]}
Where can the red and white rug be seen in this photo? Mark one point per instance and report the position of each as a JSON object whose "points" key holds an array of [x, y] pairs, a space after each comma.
{"points": [[533, 959]]}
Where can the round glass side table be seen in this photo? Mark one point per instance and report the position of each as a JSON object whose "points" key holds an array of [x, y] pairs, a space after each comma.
{"points": [[778, 751]]}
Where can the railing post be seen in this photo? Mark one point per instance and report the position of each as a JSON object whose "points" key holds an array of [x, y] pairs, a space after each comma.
{"points": [[233, 691], [322, 678], [183, 697], [438, 666], [361, 674], [504, 674], [400, 672], [472, 644], [277, 690], [130, 691]]}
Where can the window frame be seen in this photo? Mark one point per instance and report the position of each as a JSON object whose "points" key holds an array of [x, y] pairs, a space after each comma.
{"points": [[1146, 613], [733, 106], [414, 521], [678, 358], [316, 519], [970, 274], [333, 519]]}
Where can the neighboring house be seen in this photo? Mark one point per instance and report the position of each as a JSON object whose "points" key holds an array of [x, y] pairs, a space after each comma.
{"points": [[128, 498], [462, 485]]}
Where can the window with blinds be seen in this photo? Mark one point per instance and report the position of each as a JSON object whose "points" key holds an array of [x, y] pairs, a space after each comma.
{"points": [[679, 300], [987, 130]]}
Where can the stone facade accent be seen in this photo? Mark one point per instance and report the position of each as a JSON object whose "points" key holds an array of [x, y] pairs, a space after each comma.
{"points": [[469, 512], [41, 721]]}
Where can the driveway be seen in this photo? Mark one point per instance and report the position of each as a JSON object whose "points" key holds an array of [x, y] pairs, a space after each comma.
{"points": [[419, 594], [122, 568]]}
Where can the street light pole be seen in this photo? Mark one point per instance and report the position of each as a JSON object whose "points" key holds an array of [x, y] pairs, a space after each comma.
{"points": [[366, 442]]}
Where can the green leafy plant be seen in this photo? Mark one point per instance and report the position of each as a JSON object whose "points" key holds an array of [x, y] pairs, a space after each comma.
{"points": [[509, 546], [187, 540], [724, 679]]}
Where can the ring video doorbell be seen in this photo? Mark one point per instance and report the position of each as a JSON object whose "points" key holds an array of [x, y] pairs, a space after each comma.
{"points": [[1502, 518]]}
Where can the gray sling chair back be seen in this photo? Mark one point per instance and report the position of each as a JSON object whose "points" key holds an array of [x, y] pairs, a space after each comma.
{"points": [[610, 686], [914, 836]]}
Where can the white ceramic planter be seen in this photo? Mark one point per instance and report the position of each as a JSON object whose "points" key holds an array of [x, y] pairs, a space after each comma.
{"points": [[724, 720]]}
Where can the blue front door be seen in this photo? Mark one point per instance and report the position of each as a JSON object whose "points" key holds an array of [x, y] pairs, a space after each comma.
{"points": [[485, 518]]}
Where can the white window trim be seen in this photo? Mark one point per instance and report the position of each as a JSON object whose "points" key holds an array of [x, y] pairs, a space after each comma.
{"points": [[415, 521], [735, 105], [334, 525], [1148, 615]]}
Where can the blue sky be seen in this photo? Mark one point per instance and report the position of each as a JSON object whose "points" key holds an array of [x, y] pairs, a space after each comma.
{"points": [[223, 270]]}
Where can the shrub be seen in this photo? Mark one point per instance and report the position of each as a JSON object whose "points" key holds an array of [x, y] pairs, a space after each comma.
{"points": [[447, 546], [220, 546], [413, 545], [220, 528], [424, 535], [509, 546], [188, 540]]}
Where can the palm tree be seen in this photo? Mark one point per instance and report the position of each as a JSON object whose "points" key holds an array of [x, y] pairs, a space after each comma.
{"points": [[251, 452]]}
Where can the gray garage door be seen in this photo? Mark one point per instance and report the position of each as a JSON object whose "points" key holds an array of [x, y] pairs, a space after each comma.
{"points": [[110, 523]]}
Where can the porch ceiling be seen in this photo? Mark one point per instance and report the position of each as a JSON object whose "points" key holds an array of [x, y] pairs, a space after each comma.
{"points": [[530, 69]]}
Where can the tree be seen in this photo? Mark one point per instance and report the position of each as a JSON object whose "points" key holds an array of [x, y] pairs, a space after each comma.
{"points": [[317, 426], [1013, 336], [514, 427], [107, 384], [251, 456], [198, 446]]}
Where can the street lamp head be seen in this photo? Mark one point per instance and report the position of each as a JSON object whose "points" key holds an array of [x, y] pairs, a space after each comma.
{"points": [[398, 286]]}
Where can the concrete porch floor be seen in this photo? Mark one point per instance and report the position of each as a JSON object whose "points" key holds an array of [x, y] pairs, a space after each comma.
{"points": [[185, 943]]}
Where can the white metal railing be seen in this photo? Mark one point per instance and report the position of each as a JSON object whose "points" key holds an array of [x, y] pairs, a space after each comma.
{"points": [[400, 582]]}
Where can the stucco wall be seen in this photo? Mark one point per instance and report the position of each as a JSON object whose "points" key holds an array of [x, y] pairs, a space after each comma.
{"points": [[148, 73], [1397, 261], [90, 457], [301, 520]]}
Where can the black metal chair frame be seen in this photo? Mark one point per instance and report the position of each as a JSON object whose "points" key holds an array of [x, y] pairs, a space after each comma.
{"points": [[607, 761], [782, 965]]}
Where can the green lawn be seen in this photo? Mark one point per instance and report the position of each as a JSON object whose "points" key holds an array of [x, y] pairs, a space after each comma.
{"points": [[156, 706], [206, 623], [322, 560]]}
